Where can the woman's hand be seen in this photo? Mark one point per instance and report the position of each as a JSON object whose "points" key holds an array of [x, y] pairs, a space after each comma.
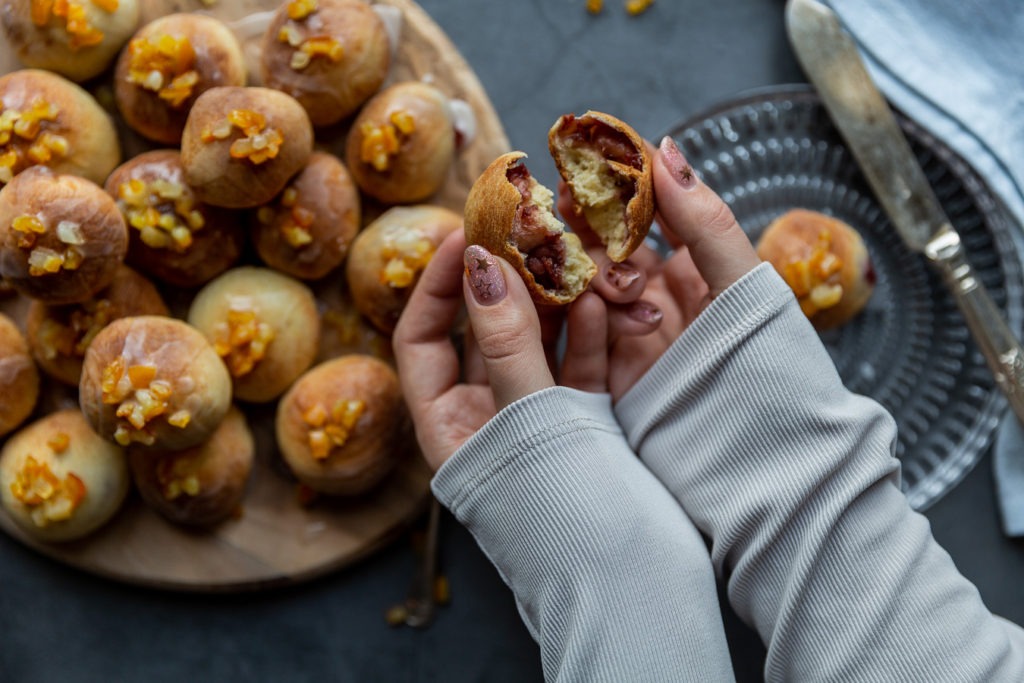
{"points": [[711, 253]]}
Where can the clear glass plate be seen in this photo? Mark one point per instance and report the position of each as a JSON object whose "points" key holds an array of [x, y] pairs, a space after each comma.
{"points": [[910, 349]]}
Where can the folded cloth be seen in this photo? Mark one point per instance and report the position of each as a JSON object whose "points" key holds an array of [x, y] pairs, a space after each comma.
{"points": [[955, 68]]}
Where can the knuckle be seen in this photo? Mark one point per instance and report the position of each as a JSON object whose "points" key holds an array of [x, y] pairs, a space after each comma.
{"points": [[502, 341], [720, 220]]}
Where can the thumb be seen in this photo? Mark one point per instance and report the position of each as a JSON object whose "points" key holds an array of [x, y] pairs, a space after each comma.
{"points": [[505, 326], [692, 212]]}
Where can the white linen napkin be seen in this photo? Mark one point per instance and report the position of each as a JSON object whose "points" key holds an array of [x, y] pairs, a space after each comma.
{"points": [[956, 67]]}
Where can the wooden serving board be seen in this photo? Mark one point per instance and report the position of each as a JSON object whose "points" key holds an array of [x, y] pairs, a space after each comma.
{"points": [[277, 540]]}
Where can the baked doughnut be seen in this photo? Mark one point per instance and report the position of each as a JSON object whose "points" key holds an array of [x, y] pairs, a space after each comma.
{"points": [[824, 261], [330, 55], [202, 485], [241, 146], [510, 214], [155, 382], [402, 143], [60, 335], [166, 66], [76, 38], [59, 481], [306, 231], [19, 378], [388, 256], [172, 236], [46, 120], [62, 237], [607, 168], [263, 324], [339, 425]]}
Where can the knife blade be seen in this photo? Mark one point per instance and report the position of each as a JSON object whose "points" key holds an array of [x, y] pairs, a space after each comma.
{"points": [[833, 64]]}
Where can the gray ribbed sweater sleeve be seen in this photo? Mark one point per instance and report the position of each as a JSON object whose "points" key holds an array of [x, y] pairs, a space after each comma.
{"points": [[611, 578], [792, 476]]}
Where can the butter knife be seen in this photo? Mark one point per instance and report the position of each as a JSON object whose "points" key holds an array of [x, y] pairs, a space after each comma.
{"points": [[863, 117]]}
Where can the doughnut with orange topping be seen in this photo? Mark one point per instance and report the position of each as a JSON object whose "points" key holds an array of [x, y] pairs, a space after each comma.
{"points": [[46, 120], [241, 145], [19, 378], [59, 481], [825, 263], [199, 486], [154, 382], [263, 324], [330, 55], [402, 143], [306, 231], [388, 256], [167, 64], [172, 235], [76, 38], [62, 238], [60, 335], [340, 425]]}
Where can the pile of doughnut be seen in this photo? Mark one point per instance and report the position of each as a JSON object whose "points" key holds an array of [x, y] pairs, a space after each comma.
{"points": [[177, 295]]}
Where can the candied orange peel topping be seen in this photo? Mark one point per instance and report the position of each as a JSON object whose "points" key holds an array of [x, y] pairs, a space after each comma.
{"points": [[300, 9], [72, 340], [59, 442], [81, 33], [50, 498], [25, 142], [242, 339], [635, 7], [407, 252], [295, 226], [178, 475], [381, 141], [140, 397], [809, 277], [259, 145], [44, 260], [331, 429], [595, 6], [163, 64], [307, 47], [163, 211]]}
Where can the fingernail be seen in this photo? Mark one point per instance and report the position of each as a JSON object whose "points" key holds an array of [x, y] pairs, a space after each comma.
{"points": [[620, 275], [645, 312], [486, 280], [676, 163]]}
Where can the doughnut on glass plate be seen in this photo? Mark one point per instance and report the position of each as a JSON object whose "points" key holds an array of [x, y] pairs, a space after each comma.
{"points": [[910, 349]]}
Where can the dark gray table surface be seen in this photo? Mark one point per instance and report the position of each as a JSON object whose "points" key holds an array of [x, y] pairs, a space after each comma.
{"points": [[537, 59]]}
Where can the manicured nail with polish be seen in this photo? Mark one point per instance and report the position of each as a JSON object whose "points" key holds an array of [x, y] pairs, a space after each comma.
{"points": [[620, 275], [486, 280], [676, 163], [645, 312]]}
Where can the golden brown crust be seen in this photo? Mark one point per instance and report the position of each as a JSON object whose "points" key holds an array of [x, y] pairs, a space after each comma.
{"points": [[87, 476], [389, 255], [371, 450], [622, 217], [423, 158], [91, 252], [50, 46], [329, 90], [493, 219], [182, 360], [92, 150], [60, 335], [220, 179], [19, 378], [802, 236], [215, 246], [199, 486], [218, 61], [283, 313], [323, 194]]}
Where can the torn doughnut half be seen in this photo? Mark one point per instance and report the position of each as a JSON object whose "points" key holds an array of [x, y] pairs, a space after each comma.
{"points": [[607, 167], [510, 214]]}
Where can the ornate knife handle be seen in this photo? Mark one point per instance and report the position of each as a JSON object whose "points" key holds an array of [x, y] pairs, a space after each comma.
{"points": [[997, 342]]}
